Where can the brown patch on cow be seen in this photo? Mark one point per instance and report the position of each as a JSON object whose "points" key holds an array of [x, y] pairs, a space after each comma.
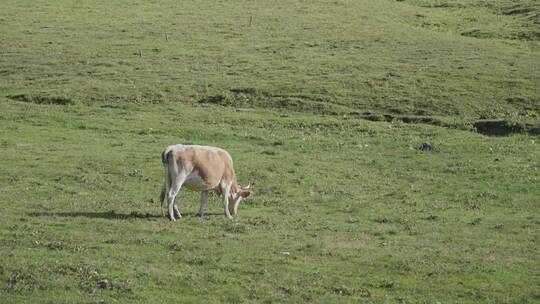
{"points": [[212, 165]]}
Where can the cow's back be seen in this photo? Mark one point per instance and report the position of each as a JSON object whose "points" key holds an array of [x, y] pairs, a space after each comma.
{"points": [[211, 164]]}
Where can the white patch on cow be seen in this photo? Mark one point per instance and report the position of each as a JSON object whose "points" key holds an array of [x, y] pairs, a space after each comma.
{"points": [[195, 182]]}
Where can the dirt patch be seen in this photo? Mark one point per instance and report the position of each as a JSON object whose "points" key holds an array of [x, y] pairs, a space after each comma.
{"points": [[502, 127], [518, 9], [477, 33], [42, 99], [235, 97], [495, 127], [405, 119], [252, 98]]}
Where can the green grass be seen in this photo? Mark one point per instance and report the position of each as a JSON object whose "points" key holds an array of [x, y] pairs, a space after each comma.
{"points": [[502, 19], [322, 57], [365, 215]]}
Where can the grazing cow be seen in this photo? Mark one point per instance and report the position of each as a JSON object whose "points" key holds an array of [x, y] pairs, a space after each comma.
{"points": [[200, 168]]}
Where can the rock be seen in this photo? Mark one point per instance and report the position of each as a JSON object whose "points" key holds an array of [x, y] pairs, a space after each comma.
{"points": [[391, 74], [425, 147], [104, 284]]}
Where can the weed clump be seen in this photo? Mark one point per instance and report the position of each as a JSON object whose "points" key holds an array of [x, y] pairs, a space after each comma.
{"points": [[350, 291], [235, 228], [235, 97], [49, 100]]}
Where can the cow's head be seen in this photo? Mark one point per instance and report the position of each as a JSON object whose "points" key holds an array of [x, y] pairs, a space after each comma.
{"points": [[236, 198]]}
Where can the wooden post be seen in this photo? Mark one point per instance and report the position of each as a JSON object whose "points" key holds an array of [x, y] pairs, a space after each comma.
{"points": [[250, 21], [166, 37]]}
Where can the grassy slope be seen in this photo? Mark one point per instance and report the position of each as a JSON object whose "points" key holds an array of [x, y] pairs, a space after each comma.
{"points": [[310, 56], [365, 216], [501, 19], [373, 220]]}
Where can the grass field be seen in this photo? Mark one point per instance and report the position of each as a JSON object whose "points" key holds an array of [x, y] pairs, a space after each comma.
{"points": [[345, 210]]}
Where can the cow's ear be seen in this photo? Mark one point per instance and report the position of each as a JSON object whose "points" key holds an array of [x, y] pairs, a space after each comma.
{"points": [[245, 194]]}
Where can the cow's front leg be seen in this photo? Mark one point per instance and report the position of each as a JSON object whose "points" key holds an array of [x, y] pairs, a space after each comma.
{"points": [[236, 204], [204, 199], [226, 202]]}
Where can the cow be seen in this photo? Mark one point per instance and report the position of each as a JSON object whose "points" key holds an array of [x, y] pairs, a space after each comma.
{"points": [[200, 168]]}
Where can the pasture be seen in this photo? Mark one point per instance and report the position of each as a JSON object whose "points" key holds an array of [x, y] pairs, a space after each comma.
{"points": [[323, 104]]}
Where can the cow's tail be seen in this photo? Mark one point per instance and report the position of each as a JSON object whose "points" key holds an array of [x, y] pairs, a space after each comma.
{"points": [[165, 159]]}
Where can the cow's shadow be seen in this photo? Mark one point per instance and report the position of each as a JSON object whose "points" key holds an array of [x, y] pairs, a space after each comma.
{"points": [[112, 215]]}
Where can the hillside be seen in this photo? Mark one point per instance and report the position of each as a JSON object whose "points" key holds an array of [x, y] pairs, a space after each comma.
{"points": [[430, 58], [361, 123]]}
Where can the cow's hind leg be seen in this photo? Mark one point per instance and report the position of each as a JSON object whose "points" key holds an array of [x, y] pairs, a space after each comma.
{"points": [[204, 199], [177, 213], [162, 198], [171, 196]]}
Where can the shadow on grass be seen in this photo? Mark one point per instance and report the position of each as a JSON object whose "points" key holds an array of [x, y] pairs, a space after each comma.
{"points": [[112, 215], [109, 215]]}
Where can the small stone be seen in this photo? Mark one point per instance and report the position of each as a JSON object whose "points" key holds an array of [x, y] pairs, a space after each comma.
{"points": [[104, 284], [425, 147], [391, 74]]}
